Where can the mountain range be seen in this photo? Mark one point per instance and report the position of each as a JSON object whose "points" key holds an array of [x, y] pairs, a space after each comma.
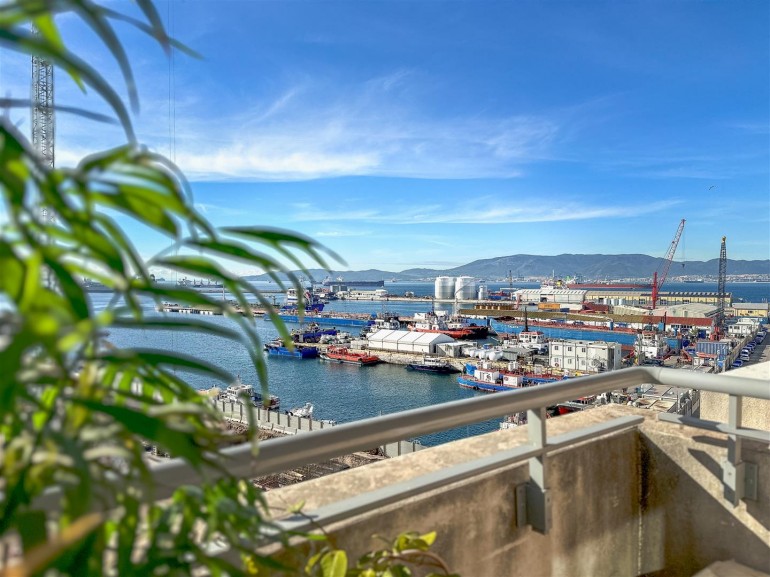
{"points": [[590, 266]]}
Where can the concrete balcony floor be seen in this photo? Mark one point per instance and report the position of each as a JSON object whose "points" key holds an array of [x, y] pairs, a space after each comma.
{"points": [[644, 501]]}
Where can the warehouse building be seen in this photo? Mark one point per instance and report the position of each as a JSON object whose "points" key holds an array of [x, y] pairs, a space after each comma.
{"points": [[407, 341]]}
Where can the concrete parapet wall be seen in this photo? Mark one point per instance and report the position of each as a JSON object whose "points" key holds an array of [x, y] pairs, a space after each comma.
{"points": [[647, 500], [756, 412], [273, 420]]}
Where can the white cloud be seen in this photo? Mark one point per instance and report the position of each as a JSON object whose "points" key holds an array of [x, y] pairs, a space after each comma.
{"points": [[303, 133]]}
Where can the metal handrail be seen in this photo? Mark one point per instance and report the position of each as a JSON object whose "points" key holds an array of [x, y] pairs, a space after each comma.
{"points": [[286, 453]]}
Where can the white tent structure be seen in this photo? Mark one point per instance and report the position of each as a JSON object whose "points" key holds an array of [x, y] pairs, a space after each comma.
{"points": [[407, 341]]}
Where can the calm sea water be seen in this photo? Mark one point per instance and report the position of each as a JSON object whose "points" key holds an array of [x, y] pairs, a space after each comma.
{"points": [[345, 392]]}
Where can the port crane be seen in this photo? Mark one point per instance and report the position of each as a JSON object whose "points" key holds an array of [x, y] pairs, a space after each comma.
{"points": [[719, 320], [43, 119], [659, 276]]}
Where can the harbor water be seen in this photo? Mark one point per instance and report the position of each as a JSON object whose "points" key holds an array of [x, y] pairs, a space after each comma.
{"points": [[343, 392]]}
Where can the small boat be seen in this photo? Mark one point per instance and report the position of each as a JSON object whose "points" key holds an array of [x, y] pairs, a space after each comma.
{"points": [[345, 355], [492, 380], [433, 365], [311, 334], [240, 393], [580, 404], [277, 348], [305, 411], [312, 302]]}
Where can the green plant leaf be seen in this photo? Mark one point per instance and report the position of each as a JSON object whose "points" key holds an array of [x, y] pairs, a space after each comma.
{"points": [[334, 564]]}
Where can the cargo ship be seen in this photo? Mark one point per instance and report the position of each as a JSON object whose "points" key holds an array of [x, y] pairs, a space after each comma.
{"points": [[608, 286], [333, 319], [558, 329]]}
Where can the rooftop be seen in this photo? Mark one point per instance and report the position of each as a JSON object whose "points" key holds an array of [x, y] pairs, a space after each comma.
{"points": [[615, 490]]}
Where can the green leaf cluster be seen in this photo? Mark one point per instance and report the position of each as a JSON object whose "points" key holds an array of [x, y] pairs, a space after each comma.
{"points": [[408, 554], [77, 414]]}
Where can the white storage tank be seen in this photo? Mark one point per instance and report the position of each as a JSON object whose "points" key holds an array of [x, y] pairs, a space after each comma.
{"points": [[465, 288], [445, 287], [482, 292]]}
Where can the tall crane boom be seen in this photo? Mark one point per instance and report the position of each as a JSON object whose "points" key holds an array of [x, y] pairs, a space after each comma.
{"points": [[43, 121], [722, 280], [659, 276]]}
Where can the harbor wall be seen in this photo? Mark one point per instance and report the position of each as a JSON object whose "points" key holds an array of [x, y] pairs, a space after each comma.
{"points": [[272, 420], [285, 424]]}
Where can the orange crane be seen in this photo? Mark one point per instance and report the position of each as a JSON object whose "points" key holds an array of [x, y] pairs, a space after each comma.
{"points": [[659, 276]]}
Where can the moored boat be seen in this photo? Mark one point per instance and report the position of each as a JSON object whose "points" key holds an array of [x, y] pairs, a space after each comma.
{"points": [[277, 348], [492, 380], [311, 334], [456, 327], [345, 355], [433, 365], [241, 393], [305, 411]]}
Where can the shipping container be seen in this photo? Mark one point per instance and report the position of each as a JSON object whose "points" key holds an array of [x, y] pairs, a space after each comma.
{"points": [[674, 344], [712, 347]]}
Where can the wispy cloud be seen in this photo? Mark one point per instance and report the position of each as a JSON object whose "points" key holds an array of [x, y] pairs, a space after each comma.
{"points": [[499, 211], [370, 130], [341, 233]]}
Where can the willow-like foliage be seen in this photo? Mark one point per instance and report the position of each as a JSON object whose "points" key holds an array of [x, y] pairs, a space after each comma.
{"points": [[76, 414]]}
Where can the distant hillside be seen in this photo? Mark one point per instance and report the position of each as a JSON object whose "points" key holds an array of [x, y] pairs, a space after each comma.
{"points": [[590, 266], [599, 266]]}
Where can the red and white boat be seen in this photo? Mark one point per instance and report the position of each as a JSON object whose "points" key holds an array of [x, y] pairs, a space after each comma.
{"points": [[345, 355], [456, 327]]}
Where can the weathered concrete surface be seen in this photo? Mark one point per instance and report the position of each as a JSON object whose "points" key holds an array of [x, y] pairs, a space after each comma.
{"points": [[643, 501], [756, 412], [685, 505], [729, 569]]}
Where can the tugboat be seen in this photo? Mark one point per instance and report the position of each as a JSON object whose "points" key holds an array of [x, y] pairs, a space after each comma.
{"points": [[433, 365], [345, 355]]}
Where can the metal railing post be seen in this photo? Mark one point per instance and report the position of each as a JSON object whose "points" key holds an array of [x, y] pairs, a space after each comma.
{"points": [[538, 496], [733, 468]]}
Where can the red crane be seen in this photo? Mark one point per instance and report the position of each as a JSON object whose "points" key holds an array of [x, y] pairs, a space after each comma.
{"points": [[659, 276]]}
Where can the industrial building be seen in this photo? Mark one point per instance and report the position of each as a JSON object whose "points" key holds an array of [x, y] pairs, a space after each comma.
{"points": [[407, 341], [756, 310], [588, 356], [644, 298]]}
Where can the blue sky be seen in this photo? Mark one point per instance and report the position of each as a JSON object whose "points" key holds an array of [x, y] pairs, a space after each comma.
{"points": [[430, 134]]}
